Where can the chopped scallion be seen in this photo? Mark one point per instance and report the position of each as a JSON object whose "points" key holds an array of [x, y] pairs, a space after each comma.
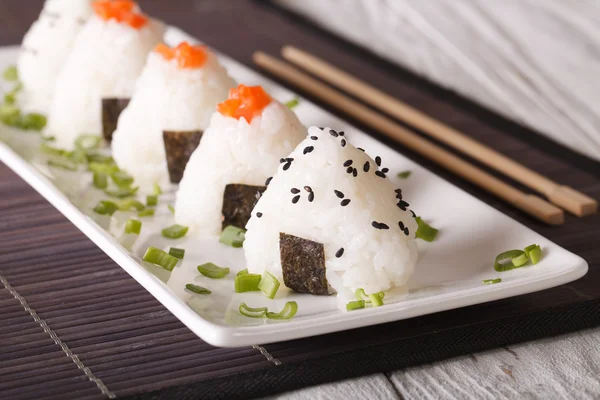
{"points": [[77, 156], [534, 253], [151, 200], [233, 236], [521, 260], [102, 167], [127, 205], [10, 99], [133, 226], [63, 164], [197, 289], [121, 192], [157, 189], [11, 74], [404, 174], [175, 231], [171, 208], [88, 142], [288, 312], [361, 295], [355, 305], [122, 179], [425, 231], [97, 157], [100, 180], [177, 253], [245, 282], [507, 255], [52, 150], [210, 270], [160, 258], [269, 285], [376, 300], [259, 312], [293, 103], [491, 281], [33, 122], [148, 212], [106, 207]]}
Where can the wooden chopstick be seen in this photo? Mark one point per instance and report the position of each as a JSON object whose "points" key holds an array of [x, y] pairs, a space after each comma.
{"points": [[530, 204], [563, 196]]}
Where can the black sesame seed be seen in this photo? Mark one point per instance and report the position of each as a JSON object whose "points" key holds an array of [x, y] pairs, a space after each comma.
{"points": [[281, 160], [406, 231], [378, 161], [294, 191], [314, 137], [354, 172], [385, 170], [349, 170], [287, 166], [383, 226], [345, 202], [380, 174], [341, 133], [305, 150], [333, 133], [295, 199], [379, 225], [343, 142], [367, 166], [398, 190], [401, 225], [289, 159], [311, 197], [259, 214], [308, 188], [361, 149], [268, 181], [340, 252], [413, 214], [402, 205], [321, 128], [347, 163], [375, 224], [339, 194]]}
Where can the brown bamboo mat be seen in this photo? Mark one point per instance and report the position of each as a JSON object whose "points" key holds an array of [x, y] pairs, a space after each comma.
{"points": [[74, 325]]}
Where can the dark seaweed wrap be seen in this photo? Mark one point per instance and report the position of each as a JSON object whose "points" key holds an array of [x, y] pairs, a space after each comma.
{"points": [[179, 146], [303, 264], [111, 110], [238, 202]]}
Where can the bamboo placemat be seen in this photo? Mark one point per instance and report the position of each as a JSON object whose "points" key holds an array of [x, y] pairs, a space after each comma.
{"points": [[74, 325]]}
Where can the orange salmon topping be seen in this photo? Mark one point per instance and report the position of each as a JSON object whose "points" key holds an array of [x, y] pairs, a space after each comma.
{"points": [[245, 102], [123, 11], [187, 56]]}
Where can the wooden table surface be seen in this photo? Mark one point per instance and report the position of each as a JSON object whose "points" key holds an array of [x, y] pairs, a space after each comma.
{"points": [[561, 367]]}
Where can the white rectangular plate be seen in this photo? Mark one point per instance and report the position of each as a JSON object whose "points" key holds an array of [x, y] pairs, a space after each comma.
{"points": [[449, 273]]}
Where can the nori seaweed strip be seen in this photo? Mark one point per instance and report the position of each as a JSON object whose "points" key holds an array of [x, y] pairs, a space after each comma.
{"points": [[179, 146], [111, 110], [303, 264], [238, 202]]}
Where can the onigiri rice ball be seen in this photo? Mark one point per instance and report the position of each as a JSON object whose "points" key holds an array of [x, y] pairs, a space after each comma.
{"points": [[246, 138], [105, 62], [331, 219], [178, 90]]}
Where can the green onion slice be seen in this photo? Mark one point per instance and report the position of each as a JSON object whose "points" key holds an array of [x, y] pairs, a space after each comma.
{"points": [[425, 231], [171, 208], [133, 226], [106, 207], [534, 253], [213, 271], [94, 155], [151, 200], [404, 174], [77, 156], [129, 204], [507, 255], [63, 164], [33, 122], [233, 236], [53, 151], [376, 300], [242, 272], [355, 305], [157, 189], [361, 295], [149, 212], [293, 103], [245, 282], [100, 180], [177, 253], [288, 312], [121, 192], [197, 289], [11, 74], [160, 258], [269, 285], [259, 312], [175, 231], [122, 179], [10, 99], [102, 168], [491, 281], [521, 260], [88, 142]]}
